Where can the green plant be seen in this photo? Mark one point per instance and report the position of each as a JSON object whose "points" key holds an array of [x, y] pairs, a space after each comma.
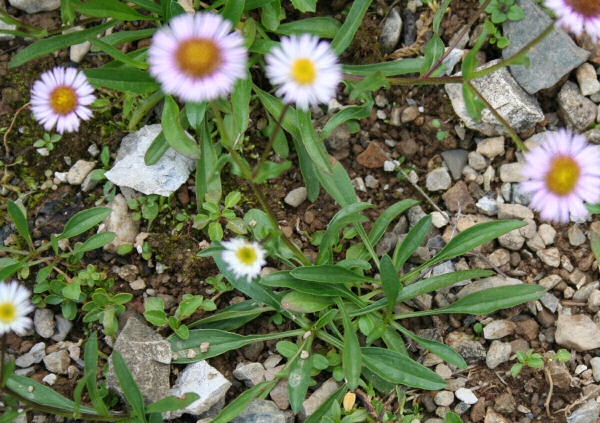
{"points": [[536, 361], [501, 10], [47, 141], [216, 215], [148, 207], [440, 135], [478, 329], [154, 312], [104, 307]]}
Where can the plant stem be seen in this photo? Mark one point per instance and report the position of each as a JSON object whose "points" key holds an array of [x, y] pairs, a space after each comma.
{"points": [[267, 151], [2, 350], [457, 40], [515, 56], [498, 116]]}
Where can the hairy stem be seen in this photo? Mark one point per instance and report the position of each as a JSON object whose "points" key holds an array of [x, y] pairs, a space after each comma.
{"points": [[267, 151]]}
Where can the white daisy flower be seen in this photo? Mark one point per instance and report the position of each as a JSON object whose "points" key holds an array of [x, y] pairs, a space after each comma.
{"points": [[306, 69], [244, 258], [60, 98], [14, 308], [197, 57]]}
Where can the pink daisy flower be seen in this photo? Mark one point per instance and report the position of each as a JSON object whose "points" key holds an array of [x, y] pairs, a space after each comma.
{"points": [[60, 98], [197, 57], [577, 15], [564, 173], [306, 69]]}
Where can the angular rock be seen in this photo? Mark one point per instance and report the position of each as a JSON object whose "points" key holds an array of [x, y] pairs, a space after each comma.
{"points": [[121, 223], [576, 236], [456, 160], [511, 172], [261, 411], [595, 363], [295, 197], [579, 111], [204, 380], [148, 357], [444, 398], [518, 108], [578, 332], [587, 413], [550, 256], [280, 394], [477, 161], [33, 356], [463, 344], [499, 329], [498, 353], [163, 177], [391, 29], [249, 373], [57, 362], [317, 398], [514, 211], [338, 142], [459, 197], [466, 395], [491, 147], [43, 322], [554, 57], [547, 233], [438, 179], [587, 79], [34, 6], [373, 157]]}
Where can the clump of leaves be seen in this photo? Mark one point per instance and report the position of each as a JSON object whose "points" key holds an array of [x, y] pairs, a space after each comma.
{"points": [[155, 312], [215, 215], [536, 361], [501, 10], [47, 141]]}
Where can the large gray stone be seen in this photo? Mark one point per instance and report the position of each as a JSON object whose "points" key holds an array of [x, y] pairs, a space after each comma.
{"points": [[456, 160], [578, 332], [147, 356], [554, 57], [43, 322], [162, 178], [587, 413], [500, 89], [390, 31], [34, 6], [261, 411]]}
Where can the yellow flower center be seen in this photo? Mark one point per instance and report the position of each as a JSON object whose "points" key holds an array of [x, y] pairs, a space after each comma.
{"points": [[563, 175], [585, 7], [63, 100], [8, 312], [198, 57], [303, 71], [246, 255]]}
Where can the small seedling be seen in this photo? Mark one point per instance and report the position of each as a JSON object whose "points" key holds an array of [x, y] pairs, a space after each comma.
{"points": [[536, 361], [47, 141], [440, 135]]}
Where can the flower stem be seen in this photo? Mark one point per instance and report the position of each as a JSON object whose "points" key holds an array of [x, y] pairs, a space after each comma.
{"points": [[498, 116], [267, 151], [2, 350]]}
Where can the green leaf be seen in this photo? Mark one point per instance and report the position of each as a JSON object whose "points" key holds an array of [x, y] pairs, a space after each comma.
{"points": [[219, 342], [156, 317], [109, 9], [195, 113], [72, 291], [239, 404], [339, 185], [286, 348], [208, 172], [313, 145], [233, 11], [321, 26], [441, 350], [122, 37], [283, 279], [271, 170], [411, 242], [270, 16], [400, 369], [83, 221], [232, 317], [434, 49], [172, 403], [96, 241], [346, 114], [437, 19], [130, 389], [128, 80], [174, 133], [473, 103], [354, 19], [470, 61], [305, 303], [452, 417], [298, 381], [117, 54], [319, 413], [393, 68], [19, 218], [372, 82], [305, 6], [329, 274], [58, 42], [351, 361], [490, 300], [40, 394], [390, 281], [90, 359], [158, 147], [595, 244], [516, 369], [240, 100]]}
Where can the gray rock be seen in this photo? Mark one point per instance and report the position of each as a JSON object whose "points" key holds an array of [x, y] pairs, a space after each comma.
{"points": [[554, 57], [147, 356], [463, 344], [438, 179], [498, 353], [163, 177], [338, 142], [579, 112], [317, 398], [359, 184], [499, 329], [578, 332], [477, 161], [487, 205], [88, 183], [491, 147], [595, 363], [511, 172], [512, 240], [576, 236], [34, 6], [295, 197], [33, 356], [391, 29], [456, 160], [444, 398], [371, 181], [63, 327], [249, 373], [550, 256], [585, 291], [587, 79], [204, 380], [466, 395], [120, 222], [519, 196], [587, 413], [550, 281], [550, 302], [50, 379], [548, 233], [43, 322], [57, 362], [280, 394], [514, 211], [518, 108], [261, 411]]}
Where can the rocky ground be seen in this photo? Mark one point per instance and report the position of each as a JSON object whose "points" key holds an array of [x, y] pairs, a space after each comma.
{"points": [[470, 174]]}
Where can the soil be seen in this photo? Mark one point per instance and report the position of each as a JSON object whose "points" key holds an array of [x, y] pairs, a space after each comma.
{"points": [[415, 141]]}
